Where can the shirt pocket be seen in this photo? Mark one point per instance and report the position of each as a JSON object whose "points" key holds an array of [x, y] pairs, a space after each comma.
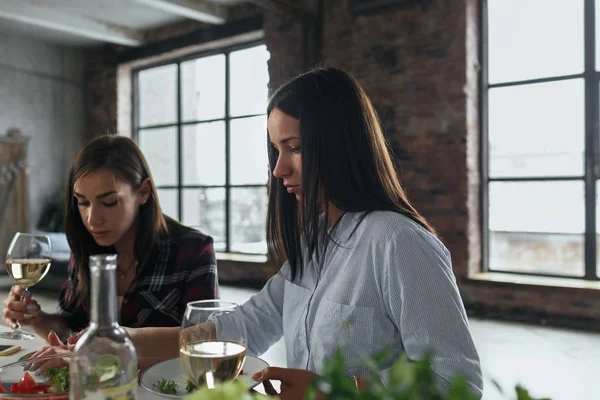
{"points": [[295, 301], [345, 327], [165, 302]]}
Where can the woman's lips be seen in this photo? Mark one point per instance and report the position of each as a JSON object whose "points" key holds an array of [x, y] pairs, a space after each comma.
{"points": [[100, 234], [291, 189]]}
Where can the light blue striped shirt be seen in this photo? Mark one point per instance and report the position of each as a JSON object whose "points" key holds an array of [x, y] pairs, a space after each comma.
{"points": [[393, 278]]}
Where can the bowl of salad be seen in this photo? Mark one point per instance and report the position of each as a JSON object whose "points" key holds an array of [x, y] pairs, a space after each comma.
{"points": [[18, 382]]}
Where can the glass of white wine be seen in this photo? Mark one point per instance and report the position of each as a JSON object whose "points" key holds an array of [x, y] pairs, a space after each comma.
{"points": [[27, 262], [208, 356]]}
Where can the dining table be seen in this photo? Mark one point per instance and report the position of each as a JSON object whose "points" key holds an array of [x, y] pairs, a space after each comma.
{"points": [[31, 345]]}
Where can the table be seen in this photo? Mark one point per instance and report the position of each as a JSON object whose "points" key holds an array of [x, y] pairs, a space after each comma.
{"points": [[28, 346]]}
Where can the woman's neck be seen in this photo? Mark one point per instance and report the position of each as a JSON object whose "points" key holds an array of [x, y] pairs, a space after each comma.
{"points": [[125, 245], [334, 214]]}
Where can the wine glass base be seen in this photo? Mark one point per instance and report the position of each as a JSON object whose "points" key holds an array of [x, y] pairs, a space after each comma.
{"points": [[16, 335]]}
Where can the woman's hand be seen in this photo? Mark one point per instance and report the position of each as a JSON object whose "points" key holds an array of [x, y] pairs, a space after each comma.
{"points": [[56, 347], [20, 306], [294, 382]]}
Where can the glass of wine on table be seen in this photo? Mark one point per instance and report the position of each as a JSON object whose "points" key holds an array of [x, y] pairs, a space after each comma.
{"points": [[207, 356], [27, 262]]}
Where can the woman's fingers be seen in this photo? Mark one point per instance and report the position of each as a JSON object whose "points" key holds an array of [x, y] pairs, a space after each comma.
{"points": [[9, 321], [73, 339], [19, 291], [12, 315], [53, 339], [269, 389], [56, 362], [26, 310]]}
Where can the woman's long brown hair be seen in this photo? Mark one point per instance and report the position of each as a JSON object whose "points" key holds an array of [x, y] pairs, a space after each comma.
{"points": [[123, 158], [346, 161]]}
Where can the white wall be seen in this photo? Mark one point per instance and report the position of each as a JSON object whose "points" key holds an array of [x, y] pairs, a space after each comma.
{"points": [[41, 93]]}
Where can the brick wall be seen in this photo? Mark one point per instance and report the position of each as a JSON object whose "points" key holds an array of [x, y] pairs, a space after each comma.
{"points": [[419, 65], [412, 64]]}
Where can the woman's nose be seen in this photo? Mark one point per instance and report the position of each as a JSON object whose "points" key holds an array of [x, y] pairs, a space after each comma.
{"points": [[95, 217], [281, 169]]}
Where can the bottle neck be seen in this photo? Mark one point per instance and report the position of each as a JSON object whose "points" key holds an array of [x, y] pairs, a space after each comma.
{"points": [[103, 290]]}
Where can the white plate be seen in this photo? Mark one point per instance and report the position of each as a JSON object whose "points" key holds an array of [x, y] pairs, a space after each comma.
{"points": [[172, 369]]}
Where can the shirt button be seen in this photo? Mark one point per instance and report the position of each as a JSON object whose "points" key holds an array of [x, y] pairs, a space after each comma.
{"points": [[125, 301]]}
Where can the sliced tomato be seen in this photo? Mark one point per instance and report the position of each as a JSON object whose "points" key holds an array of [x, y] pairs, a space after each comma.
{"points": [[14, 388], [27, 383], [2, 390], [40, 388]]}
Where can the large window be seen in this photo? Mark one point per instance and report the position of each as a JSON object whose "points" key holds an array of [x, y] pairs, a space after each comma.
{"points": [[201, 124], [540, 133]]}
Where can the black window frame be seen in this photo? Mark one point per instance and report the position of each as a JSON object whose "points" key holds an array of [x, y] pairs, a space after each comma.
{"points": [[179, 124], [591, 175]]}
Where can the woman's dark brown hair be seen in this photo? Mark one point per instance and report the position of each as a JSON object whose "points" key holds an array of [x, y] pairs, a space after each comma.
{"points": [[123, 158], [346, 161]]}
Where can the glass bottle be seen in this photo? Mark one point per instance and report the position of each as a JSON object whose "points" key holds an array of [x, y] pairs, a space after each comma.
{"points": [[104, 365]]}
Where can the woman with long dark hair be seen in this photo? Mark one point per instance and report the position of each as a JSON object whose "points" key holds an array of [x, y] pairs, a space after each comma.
{"points": [[363, 269], [112, 206]]}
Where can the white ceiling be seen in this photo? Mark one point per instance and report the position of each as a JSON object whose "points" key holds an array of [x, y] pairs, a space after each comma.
{"points": [[87, 23]]}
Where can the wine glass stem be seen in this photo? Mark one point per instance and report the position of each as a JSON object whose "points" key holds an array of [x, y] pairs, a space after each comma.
{"points": [[17, 328]]}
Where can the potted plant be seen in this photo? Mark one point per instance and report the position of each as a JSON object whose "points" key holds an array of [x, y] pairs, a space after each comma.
{"points": [[416, 378]]}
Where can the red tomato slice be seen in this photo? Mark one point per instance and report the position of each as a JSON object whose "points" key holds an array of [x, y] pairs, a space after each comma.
{"points": [[27, 383], [2, 390], [14, 388], [40, 388]]}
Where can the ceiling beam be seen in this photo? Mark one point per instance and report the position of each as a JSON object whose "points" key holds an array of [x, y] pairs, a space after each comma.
{"points": [[288, 6], [199, 10], [31, 13]]}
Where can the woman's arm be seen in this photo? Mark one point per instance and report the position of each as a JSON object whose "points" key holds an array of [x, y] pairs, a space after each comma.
{"points": [[51, 322], [262, 316], [153, 345], [422, 299]]}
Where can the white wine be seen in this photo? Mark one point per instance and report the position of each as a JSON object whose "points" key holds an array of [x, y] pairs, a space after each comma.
{"points": [[208, 361], [28, 272]]}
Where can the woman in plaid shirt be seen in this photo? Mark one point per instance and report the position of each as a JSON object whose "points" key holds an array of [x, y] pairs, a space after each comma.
{"points": [[112, 207]]}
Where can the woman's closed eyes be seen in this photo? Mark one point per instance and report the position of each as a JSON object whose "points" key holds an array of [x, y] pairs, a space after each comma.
{"points": [[87, 203]]}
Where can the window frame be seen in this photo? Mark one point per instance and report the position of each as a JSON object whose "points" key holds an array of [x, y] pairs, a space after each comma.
{"points": [[591, 174], [179, 124]]}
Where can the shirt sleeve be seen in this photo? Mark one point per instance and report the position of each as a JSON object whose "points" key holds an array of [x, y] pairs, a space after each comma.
{"points": [[202, 282], [74, 314], [422, 298], [261, 315]]}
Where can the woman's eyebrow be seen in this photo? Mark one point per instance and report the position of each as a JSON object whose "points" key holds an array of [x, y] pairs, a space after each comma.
{"points": [[99, 196]]}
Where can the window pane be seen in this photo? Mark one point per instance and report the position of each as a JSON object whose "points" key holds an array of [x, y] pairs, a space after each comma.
{"points": [[160, 148], [249, 162], [203, 88], [204, 209], [204, 154], [248, 220], [168, 202], [597, 230], [157, 95], [249, 81], [537, 130], [534, 39], [537, 227]]}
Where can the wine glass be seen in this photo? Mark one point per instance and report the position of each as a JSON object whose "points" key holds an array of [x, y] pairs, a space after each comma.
{"points": [[209, 354], [27, 262]]}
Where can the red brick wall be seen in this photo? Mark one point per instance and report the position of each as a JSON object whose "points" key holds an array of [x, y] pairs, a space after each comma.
{"points": [[100, 86], [412, 64]]}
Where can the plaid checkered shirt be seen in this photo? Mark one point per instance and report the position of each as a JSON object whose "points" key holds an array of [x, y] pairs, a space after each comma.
{"points": [[182, 268]]}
